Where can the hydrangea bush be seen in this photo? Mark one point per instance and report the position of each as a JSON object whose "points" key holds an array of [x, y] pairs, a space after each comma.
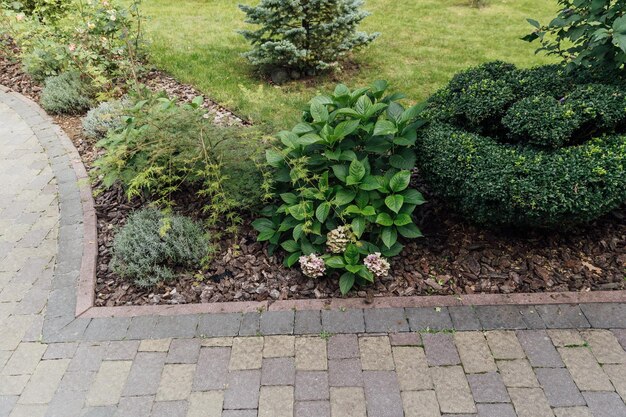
{"points": [[343, 176]]}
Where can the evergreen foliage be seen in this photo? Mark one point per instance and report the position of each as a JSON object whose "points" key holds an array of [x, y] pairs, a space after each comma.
{"points": [[304, 35]]}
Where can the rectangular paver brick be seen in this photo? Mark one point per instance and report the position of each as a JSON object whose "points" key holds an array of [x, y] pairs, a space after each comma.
{"points": [[246, 353], [464, 318], [311, 385], [135, 406], [278, 371], [311, 354], [349, 321], [539, 349], [250, 324], [382, 393], [243, 390], [124, 350], [517, 373], [345, 373], [109, 383], [559, 387], [343, 346], [279, 346], [440, 349], [169, 408], [617, 375], [488, 388], [24, 359], [474, 352], [347, 402], [61, 350], [276, 402], [205, 404], [145, 374], [277, 322], [420, 404], [496, 410], [155, 345], [183, 351], [214, 325], [452, 388], [604, 346], [585, 370], [44, 382], [405, 339], [384, 320], [429, 318], [562, 316], [605, 404], [605, 315], [308, 322], [312, 409], [500, 317], [376, 353], [88, 357], [176, 382], [530, 402], [411, 368], [504, 345], [212, 369], [565, 337]]}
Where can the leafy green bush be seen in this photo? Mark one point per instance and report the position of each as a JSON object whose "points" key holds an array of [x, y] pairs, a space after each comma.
{"points": [[166, 148], [65, 94], [542, 120], [45, 60], [585, 33], [302, 35], [343, 176], [107, 116], [556, 156], [42, 10], [153, 248]]}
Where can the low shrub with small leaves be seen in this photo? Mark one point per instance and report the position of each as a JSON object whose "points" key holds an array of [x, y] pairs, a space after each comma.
{"points": [[107, 116], [343, 176], [153, 247], [551, 154], [66, 93], [166, 148]]}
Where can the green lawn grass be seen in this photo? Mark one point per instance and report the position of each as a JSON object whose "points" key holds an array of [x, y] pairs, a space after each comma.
{"points": [[423, 43]]}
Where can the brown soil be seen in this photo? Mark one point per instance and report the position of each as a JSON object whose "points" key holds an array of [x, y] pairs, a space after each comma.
{"points": [[453, 258]]}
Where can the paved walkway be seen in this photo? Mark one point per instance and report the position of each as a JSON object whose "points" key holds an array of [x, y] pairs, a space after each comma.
{"points": [[529, 372]]}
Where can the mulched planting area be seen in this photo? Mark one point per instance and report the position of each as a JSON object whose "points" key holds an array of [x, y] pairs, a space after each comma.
{"points": [[453, 257]]}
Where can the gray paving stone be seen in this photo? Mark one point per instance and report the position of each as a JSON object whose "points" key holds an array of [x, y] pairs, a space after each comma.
{"points": [[620, 335], [61, 350], [78, 381], [343, 346], [212, 369], [141, 327], [384, 320], [250, 324], [464, 318], [243, 390], [311, 386], [429, 318], [278, 371], [110, 328], [382, 394], [562, 316], [6, 405], [496, 410], [440, 349], [605, 404], [183, 351], [312, 409], [65, 404], [405, 339], [531, 317], [239, 413], [122, 350], [134, 406], [145, 374], [169, 409], [175, 326], [277, 322], [559, 387], [488, 388], [349, 321], [308, 322], [345, 373], [539, 349], [500, 317], [219, 325], [108, 411], [88, 357], [605, 316]]}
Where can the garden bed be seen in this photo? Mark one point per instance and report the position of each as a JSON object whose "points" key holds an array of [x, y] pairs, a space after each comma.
{"points": [[452, 258]]}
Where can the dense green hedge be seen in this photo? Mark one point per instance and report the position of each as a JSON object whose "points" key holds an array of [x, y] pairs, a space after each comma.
{"points": [[548, 150]]}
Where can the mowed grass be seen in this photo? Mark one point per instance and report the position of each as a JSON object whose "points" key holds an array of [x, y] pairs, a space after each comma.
{"points": [[422, 44]]}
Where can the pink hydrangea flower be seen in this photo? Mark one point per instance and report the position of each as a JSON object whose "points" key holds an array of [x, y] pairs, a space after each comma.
{"points": [[377, 265], [72, 47], [312, 266]]}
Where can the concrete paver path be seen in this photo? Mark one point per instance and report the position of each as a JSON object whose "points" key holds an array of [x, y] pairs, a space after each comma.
{"points": [[495, 373]]}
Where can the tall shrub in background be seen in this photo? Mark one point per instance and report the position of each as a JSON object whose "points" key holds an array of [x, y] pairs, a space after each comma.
{"points": [[304, 35], [587, 33]]}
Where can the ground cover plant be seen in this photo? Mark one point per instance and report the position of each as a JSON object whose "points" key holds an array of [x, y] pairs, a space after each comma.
{"points": [[527, 148], [343, 176], [415, 52]]}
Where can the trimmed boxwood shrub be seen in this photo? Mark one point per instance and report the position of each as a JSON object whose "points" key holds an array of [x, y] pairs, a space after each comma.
{"points": [[549, 157]]}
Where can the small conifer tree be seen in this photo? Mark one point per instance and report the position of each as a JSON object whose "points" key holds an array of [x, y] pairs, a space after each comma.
{"points": [[304, 35]]}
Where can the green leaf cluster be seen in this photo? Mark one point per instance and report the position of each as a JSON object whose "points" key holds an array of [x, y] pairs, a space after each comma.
{"points": [[585, 33], [348, 163]]}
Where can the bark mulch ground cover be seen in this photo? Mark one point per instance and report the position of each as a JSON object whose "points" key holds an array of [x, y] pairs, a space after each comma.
{"points": [[453, 258]]}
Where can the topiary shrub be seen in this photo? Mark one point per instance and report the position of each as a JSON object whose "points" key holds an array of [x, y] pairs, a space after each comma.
{"points": [[65, 94], [153, 248], [108, 115], [556, 156], [303, 35]]}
